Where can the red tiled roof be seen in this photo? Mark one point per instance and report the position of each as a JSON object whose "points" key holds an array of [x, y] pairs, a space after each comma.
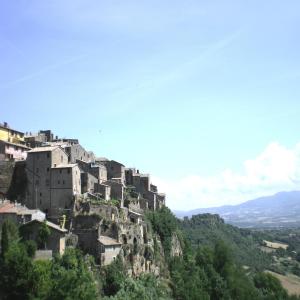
{"points": [[6, 206]]}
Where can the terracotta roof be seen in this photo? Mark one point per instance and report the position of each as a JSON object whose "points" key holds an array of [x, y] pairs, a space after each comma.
{"points": [[107, 241], [6, 206]]}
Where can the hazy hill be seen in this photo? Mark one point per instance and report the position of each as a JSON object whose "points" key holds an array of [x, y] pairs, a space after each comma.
{"points": [[279, 210]]}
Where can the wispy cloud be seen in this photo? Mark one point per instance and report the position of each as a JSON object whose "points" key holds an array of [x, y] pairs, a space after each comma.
{"points": [[181, 68], [41, 72], [276, 169]]}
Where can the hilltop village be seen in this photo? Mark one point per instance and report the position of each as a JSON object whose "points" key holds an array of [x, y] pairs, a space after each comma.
{"points": [[90, 202]]}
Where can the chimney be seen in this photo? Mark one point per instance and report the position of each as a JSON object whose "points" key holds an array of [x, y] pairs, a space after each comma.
{"points": [[5, 125]]}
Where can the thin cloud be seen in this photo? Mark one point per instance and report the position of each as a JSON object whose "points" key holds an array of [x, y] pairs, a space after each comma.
{"points": [[182, 69], [41, 72]]}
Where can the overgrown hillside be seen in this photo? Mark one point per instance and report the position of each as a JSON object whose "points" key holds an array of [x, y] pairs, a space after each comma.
{"points": [[191, 273], [207, 229]]}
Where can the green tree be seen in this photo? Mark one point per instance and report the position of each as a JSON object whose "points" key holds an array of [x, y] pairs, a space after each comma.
{"points": [[269, 286], [16, 271], [114, 277], [71, 278], [43, 234], [8, 235]]}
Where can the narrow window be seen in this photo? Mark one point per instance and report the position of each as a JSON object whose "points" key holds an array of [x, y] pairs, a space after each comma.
{"points": [[48, 155], [58, 182], [63, 182], [48, 169], [61, 159], [60, 171]]}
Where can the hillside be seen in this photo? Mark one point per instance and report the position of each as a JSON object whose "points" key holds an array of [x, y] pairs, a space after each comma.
{"points": [[207, 229], [279, 210]]}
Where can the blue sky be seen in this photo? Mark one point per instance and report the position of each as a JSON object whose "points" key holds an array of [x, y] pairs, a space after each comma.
{"points": [[185, 90]]}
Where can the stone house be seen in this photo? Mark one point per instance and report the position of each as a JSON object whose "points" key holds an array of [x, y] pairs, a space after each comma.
{"points": [[76, 151], [18, 213], [117, 190], [104, 190], [56, 240], [36, 139], [108, 249], [97, 170], [88, 182], [65, 185], [114, 169]]}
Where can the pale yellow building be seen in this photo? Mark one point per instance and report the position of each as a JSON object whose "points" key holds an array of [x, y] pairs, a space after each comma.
{"points": [[10, 135]]}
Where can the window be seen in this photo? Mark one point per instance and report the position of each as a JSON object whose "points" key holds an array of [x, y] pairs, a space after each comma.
{"points": [[40, 194], [47, 182], [37, 182], [69, 171], [48, 155], [61, 159], [60, 171], [37, 170], [58, 182], [63, 182], [48, 169]]}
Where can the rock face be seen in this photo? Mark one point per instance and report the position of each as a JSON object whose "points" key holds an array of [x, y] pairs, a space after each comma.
{"points": [[141, 249], [176, 249]]}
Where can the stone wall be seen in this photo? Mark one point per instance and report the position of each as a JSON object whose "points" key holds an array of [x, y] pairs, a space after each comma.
{"points": [[6, 174]]}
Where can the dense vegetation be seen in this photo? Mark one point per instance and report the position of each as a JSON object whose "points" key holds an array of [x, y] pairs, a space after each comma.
{"points": [[205, 271], [207, 230]]}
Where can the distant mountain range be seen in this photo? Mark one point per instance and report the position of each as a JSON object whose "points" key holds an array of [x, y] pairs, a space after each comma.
{"points": [[279, 210]]}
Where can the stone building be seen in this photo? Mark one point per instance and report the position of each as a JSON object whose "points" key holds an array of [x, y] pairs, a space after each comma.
{"points": [[12, 151], [10, 135], [56, 240], [117, 190], [115, 170], [108, 249], [143, 187], [39, 164], [18, 213], [65, 184], [76, 152], [12, 144], [88, 182], [96, 169]]}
